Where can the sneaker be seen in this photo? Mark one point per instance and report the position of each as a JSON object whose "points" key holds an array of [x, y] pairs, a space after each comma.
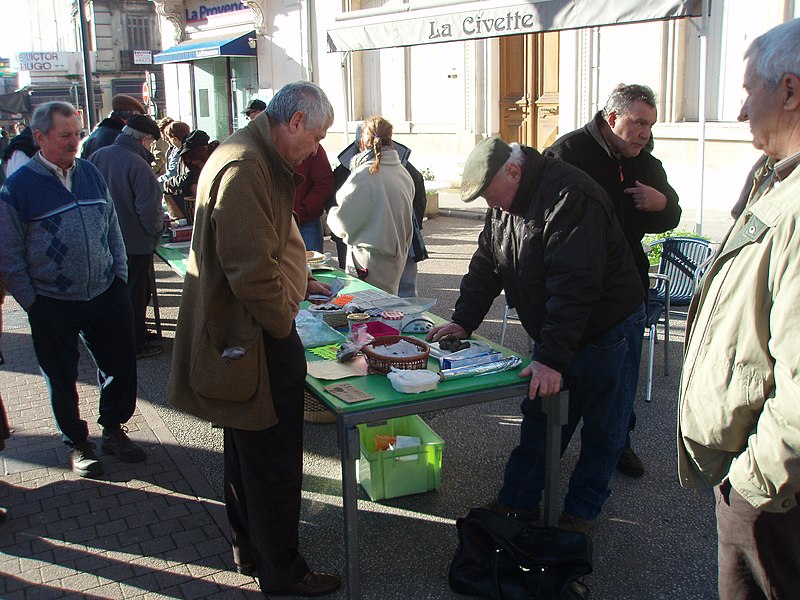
{"points": [[117, 442], [630, 464], [148, 350], [572, 522], [84, 461], [523, 515]]}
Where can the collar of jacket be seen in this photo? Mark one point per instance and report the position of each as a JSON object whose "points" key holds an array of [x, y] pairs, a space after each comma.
{"points": [[261, 132], [112, 122], [134, 146], [595, 129], [531, 174]]}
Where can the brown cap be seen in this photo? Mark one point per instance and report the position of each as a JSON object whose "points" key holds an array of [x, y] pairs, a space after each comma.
{"points": [[483, 163], [123, 102]]}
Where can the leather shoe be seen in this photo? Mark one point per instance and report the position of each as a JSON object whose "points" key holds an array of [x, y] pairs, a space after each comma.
{"points": [[313, 584], [630, 464]]}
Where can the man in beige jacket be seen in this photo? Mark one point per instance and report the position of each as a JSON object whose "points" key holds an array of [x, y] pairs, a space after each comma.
{"points": [[739, 414], [238, 360]]}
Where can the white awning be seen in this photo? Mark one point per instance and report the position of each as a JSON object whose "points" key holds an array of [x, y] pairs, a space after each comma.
{"points": [[429, 22]]}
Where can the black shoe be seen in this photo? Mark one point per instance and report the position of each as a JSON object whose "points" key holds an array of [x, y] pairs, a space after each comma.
{"points": [[3, 514], [630, 464], [148, 350], [117, 442], [313, 584], [572, 522], [249, 570], [84, 461], [523, 515]]}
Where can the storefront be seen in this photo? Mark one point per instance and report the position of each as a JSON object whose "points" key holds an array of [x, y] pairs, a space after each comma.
{"points": [[222, 75]]}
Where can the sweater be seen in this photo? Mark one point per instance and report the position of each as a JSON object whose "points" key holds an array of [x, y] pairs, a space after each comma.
{"points": [[125, 165], [59, 243]]}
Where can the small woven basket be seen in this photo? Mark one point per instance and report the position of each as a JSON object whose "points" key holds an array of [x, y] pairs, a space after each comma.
{"points": [[379, 363], [335, 318], [314, 411]]}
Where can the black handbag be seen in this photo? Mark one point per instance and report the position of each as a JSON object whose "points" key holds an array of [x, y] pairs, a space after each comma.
{"points": [[501, 558]]}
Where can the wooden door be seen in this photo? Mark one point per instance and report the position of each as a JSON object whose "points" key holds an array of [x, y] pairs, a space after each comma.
{"points": [[529, 89]]}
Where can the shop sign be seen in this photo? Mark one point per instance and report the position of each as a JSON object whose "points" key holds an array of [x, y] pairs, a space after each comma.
{"points": [[202, 12], [44, 62], [142, 57]]}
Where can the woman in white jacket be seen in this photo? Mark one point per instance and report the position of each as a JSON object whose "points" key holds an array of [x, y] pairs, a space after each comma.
{"points": [[373, 215]]}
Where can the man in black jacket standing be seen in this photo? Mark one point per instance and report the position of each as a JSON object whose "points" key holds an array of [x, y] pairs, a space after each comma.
{"points": [[551, 241], [613, 149]]}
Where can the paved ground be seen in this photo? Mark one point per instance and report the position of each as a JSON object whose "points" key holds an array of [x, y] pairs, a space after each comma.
{"points": [[158, 530]]}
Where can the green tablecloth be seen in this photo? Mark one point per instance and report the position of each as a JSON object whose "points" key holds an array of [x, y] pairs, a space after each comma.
{"points": [[175, 254]]}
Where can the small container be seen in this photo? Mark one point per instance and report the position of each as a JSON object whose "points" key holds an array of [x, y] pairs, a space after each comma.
{"points": [[357, 319], [392, 318]]}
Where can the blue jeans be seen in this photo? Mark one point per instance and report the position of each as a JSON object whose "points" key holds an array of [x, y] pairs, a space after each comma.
{"points": [[598, 381], [311, 233]]}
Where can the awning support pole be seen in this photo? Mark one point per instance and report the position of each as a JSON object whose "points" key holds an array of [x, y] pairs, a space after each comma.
{"points": [[346, 95], [701, 116]]}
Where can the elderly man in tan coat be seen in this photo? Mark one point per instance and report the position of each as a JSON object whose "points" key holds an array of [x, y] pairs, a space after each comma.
{"points": [[739, 414], [238, 360]]}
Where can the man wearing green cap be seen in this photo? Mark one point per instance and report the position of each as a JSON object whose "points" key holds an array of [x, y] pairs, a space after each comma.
{"points": [[552, 243]]}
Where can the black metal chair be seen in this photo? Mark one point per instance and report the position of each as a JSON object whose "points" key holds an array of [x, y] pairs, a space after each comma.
{"points": [[680, 267]]}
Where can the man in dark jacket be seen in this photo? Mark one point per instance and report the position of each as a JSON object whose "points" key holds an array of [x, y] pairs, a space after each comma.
{"points": [[125, 165], [613, 149], [551, 241], [122, 108]]}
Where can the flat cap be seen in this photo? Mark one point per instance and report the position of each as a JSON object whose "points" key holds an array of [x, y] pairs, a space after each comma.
{"points": [[144, 124], [197, 138], [123, 102], [483, 163], [254, 104]]}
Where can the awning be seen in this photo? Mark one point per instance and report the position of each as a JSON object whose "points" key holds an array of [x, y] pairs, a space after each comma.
{"points": [[229, 45], [426, 22]]}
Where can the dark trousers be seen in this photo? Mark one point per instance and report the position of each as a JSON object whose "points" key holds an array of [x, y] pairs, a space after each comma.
{"points": [[264, 474], [759, 552], [105, 324], [139, 292]]}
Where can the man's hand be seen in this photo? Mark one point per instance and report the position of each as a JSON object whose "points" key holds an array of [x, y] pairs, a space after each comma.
{"points": [[447, 329], [317, 287], [544, 380], [647, 198]]}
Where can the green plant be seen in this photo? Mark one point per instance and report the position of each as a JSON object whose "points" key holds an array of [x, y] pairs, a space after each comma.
{"points": [[655, 253], [427, 174]]}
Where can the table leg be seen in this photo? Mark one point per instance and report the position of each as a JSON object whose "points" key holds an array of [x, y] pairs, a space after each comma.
{"points": [[350, 449], [556, 407]]}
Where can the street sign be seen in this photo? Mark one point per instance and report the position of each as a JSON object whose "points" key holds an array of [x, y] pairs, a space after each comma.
{"points": [[142, 57], [146, 93]]}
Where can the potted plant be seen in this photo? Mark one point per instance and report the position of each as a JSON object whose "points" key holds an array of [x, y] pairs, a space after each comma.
{"points": [[432, 207]]}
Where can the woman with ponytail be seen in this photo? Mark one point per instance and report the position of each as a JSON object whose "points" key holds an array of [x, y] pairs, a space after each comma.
{"points": [[373, 216]]}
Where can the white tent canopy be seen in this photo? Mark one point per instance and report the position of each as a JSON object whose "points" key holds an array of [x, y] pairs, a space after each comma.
{"points": [[429, 22]]}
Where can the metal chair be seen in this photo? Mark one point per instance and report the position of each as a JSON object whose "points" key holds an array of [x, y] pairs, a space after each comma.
{"points": [[680, 267], [508, 315]]}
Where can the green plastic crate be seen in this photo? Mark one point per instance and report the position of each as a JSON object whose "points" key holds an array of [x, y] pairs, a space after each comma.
{"points": [[393, 473]]}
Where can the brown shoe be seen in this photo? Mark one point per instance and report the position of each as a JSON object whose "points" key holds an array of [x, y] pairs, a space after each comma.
{"points": [[117, 442], [571, 522], [313, 584]]}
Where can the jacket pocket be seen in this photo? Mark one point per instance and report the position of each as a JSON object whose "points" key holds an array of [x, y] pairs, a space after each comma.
{"points": [[233, 379]]}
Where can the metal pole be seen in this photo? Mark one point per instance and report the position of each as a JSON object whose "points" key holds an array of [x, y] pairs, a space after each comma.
{"points": [[88, 81], [701, 117]]}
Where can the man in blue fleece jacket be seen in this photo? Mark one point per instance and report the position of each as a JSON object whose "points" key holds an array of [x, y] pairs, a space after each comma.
{"points": [[63, 258]]}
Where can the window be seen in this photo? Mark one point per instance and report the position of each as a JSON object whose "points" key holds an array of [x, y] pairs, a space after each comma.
{"points": [[138, 27]]}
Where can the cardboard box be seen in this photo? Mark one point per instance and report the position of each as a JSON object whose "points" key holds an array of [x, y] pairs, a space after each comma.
{"points": [[180, 234], [457, 359]]}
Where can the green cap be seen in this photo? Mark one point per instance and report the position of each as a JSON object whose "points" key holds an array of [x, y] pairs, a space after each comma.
{"points": [[483, 163]]}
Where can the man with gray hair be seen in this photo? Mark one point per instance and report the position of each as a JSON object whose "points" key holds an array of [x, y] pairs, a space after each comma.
{"points": [[739, 411], [551, 242], [125, 165], [63, 259], [613, 148], [237, 360]]}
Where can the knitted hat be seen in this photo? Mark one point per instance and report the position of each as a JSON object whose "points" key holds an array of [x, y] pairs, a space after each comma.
{"points": [[483, 163], [144, 124], [129, 103]]}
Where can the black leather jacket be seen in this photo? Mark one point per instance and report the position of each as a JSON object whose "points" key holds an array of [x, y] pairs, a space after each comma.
{"points": [[560, 256]]}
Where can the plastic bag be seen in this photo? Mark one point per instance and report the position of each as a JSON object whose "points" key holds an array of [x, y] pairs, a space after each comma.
{"points": [[315, 332]]}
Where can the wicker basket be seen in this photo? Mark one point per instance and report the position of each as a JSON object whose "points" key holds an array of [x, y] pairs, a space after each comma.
{"points": [[314, 411], [383, 364], [335, 318]]}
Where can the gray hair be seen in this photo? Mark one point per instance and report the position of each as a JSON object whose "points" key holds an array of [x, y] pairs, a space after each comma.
{"points": [[135, 133], [517, 156], [304, 97], [623, 97], [42, 119], [774, 53]]}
